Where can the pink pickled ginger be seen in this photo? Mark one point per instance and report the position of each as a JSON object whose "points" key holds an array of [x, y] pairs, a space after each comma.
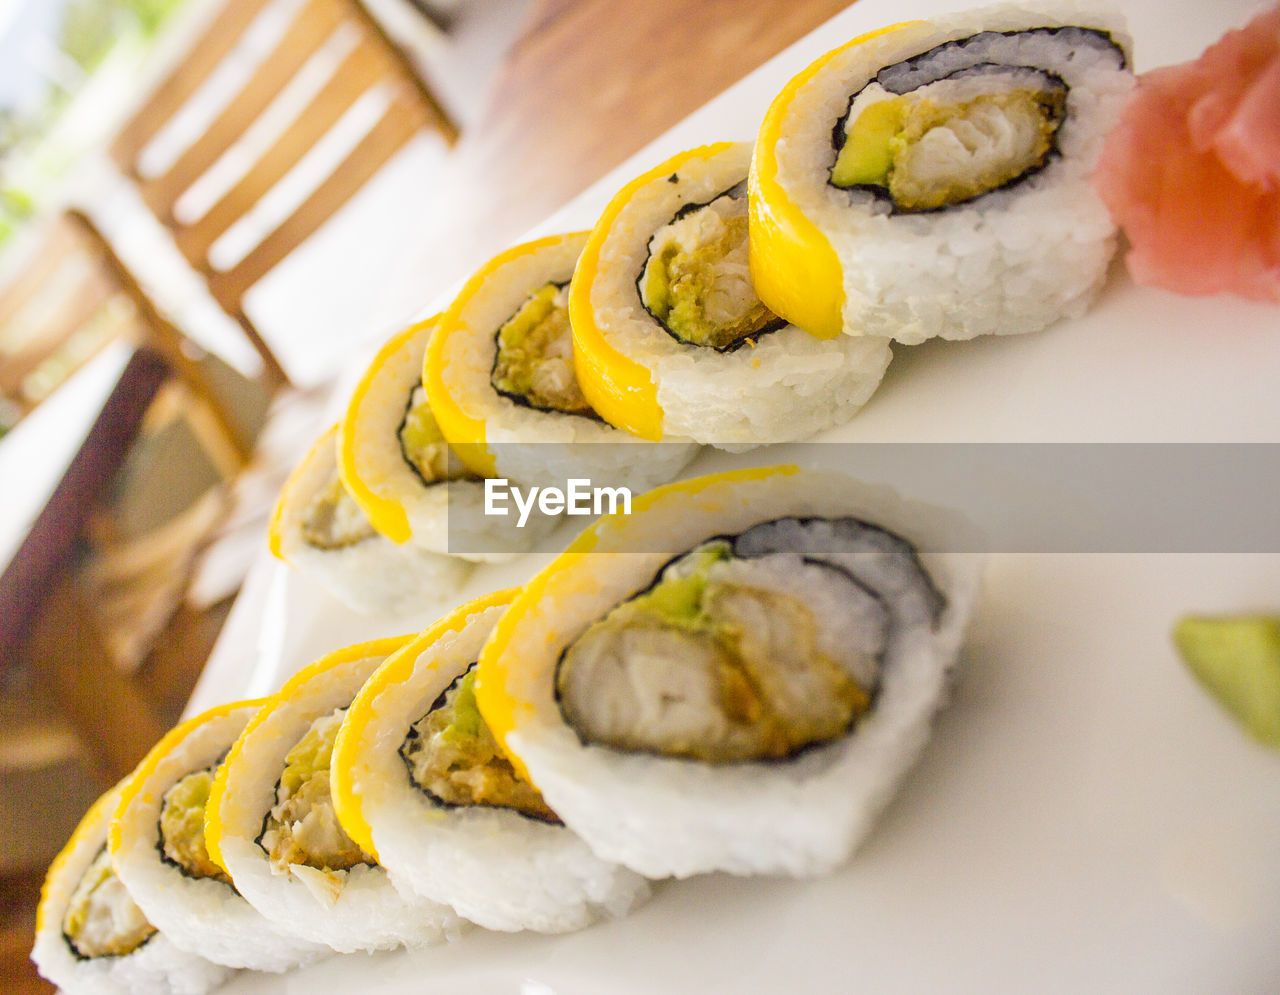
{"points": [[1192, 172]]}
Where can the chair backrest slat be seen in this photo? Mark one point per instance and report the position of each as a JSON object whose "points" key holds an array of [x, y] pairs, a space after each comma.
{"points": [[359, 71], [217, 41], [437, 117], [311, 28], [399, 123], [373, 62]]}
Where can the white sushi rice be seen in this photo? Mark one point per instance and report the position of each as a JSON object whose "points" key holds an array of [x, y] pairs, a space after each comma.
{"points": [[368, 913], [443, 517], [494, 866], [787, 386], [542, 447], [201, 915], [157, 967], [374, 575], [674, 817], [1011, 261]]}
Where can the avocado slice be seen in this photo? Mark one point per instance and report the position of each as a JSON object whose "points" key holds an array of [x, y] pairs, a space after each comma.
{"points": [[1237, 658], [677, 600], [868, 152]]}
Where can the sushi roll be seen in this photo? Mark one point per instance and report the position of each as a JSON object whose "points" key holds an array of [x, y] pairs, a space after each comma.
{"points": [[420, 781], [319, 530], [158, 849], [669, 336], [92, 938], [500, 376], [932, 178], [270, 821], [735, 677], [397, 467]]}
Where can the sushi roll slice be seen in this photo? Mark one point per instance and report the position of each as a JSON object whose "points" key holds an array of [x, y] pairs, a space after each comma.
{"points": [[92, 938], [500, 376], [270, 821], [398, 468], [157, 846], [420, 781], [669, 336], [932, 179], [736, 676], [319, 530]]}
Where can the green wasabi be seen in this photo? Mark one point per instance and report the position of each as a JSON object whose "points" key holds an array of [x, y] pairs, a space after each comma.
{"points": [[1237, 659]]}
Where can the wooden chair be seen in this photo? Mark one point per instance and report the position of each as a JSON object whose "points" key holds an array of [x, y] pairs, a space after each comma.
{"points": [[100, 572], [372, 62]]}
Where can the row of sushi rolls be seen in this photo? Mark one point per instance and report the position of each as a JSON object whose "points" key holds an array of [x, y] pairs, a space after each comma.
{"points": [[732, 677]]}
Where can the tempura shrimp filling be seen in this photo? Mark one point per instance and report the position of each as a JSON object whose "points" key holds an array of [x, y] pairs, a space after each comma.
{"points": [[533, 362], [301, 833], [453, 757], [332, 519], [725, 659], [959, 121], [423, 445], [102, 920], [182, 841], [696, 283]]}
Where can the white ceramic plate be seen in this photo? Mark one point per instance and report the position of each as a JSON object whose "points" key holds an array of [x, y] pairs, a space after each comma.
{"points": [[1085, 817]]}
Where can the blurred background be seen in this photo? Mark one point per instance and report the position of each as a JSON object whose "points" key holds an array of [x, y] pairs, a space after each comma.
{"points": [[209, 211]]}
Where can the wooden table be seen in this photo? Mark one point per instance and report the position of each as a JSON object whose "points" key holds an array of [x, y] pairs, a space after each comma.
{"points": [[588, 84]]}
